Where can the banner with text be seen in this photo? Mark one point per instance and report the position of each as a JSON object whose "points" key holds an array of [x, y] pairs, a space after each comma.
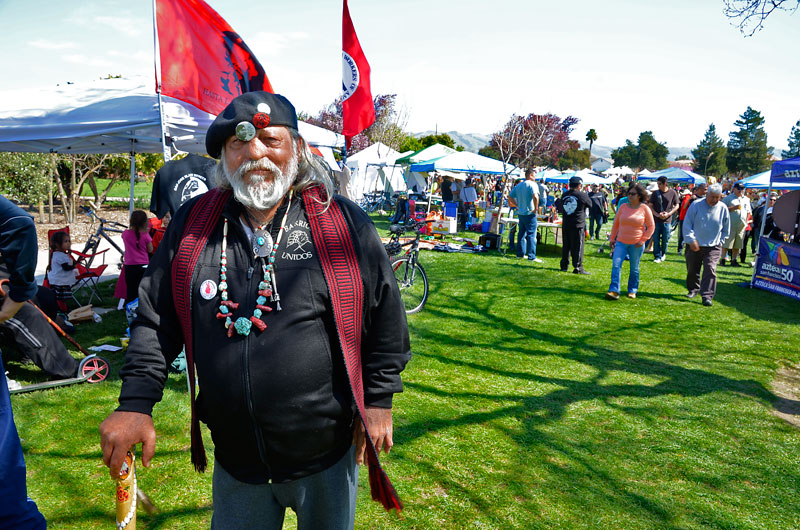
{"points": [[778, 268]]}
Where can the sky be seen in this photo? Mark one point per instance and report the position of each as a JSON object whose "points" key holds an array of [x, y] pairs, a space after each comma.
{"points": [[620, 66]]}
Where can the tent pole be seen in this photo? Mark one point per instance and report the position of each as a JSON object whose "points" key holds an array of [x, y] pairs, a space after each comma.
{"points": [[133, 176], [761, 231], [165, 148]]}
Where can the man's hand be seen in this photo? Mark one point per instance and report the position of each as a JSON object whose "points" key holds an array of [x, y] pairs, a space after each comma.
{"points": [[379, 422], [695, 246], [120, 432], [9, 308]]}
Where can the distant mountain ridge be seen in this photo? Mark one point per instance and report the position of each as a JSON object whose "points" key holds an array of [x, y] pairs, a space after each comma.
{"points": [[473, 142]]}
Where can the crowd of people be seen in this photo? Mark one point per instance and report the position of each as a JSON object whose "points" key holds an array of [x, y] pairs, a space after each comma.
{"points": [[714, 225]]}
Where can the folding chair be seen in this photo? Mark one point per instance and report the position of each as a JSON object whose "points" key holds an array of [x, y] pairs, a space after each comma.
{"points": [[87, 277]]}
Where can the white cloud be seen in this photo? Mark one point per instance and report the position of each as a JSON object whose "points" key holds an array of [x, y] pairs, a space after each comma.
{"points": [[52, 45], [270, 44], [126, 25], [78, 58]]}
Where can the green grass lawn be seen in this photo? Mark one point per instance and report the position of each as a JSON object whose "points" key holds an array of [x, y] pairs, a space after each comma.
{"points": [[122, 190], [530, 402]]}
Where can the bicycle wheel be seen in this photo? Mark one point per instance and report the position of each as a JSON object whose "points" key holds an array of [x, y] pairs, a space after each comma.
{"points": [[413, 284]]}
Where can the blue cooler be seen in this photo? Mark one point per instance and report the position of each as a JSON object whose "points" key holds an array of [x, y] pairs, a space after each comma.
{"points": [[450, 209]]}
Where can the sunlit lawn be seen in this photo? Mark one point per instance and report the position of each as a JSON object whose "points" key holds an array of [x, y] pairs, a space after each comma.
{"points": [[530, 402]]}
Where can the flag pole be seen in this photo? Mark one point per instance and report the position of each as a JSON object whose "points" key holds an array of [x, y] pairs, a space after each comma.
{"points": [[165, 151]]}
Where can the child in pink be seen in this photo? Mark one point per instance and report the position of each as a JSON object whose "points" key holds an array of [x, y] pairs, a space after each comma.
{"points": [[138, 246], [633, 226]]}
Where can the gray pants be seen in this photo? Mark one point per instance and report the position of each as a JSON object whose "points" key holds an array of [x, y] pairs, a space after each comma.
{"points": [[707, 259], [324, 500]]}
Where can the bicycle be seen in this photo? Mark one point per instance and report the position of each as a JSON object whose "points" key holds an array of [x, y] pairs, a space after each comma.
{"points": [[105, 226], [371, 201], [408, 271]]}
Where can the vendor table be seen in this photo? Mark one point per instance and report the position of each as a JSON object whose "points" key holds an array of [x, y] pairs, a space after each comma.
{"points": [[543, 228], [553, 228]]}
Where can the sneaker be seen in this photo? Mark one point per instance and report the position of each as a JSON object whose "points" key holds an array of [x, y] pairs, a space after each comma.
{"points": [[535, 260], [610, 295], [691, 294], [631, 295], [707, 302], [12, 385], [581, 271], [723, 262], [735, 264], [563, 270]]}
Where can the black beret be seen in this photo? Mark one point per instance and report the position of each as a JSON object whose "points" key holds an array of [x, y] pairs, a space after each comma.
{"points": [[261, 109], [575, 180]]}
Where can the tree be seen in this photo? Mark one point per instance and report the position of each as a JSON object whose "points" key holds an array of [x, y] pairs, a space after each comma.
{"points": [[525, 141], [489, 152], [753, 13], [533, 139], [25, 176], [574, 157], [415, 144], [388, 127], [748, 152], [591, 137], [647, 153], [794, 142], [710, 153]]}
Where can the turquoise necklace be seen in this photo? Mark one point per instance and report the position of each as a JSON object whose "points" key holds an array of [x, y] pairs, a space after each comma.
{"points": [[267, 287]]}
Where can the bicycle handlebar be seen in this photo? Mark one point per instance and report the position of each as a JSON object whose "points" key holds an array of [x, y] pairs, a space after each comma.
{"points": [[104, 222]]}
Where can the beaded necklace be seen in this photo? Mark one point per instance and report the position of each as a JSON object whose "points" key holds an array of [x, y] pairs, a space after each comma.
{"points": [[267, 287]]}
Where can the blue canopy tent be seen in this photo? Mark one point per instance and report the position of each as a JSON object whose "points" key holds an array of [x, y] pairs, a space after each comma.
{"points": [[762, 181], [675, 174], [783, 172], [466, 162]]}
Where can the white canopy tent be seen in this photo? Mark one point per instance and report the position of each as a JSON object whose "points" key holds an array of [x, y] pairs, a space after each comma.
{"points": [[465, 162], [373, 169], [115, 116]]}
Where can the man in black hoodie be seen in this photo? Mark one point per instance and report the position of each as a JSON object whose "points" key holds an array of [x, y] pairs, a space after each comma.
{"points": [[572, 207], [281, 401]]}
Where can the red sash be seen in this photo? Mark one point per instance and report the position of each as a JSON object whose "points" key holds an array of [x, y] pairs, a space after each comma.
{"points": [[334, 245]]}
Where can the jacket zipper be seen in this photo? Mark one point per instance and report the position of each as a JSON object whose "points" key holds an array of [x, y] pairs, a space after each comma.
{"points": [[246, 368]]}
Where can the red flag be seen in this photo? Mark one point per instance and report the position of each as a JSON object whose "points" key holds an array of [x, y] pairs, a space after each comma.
{"points": [[203, 61], [358, 112]]}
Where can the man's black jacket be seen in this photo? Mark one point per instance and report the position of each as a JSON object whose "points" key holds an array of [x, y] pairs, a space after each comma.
{"points": [[277, 402]]}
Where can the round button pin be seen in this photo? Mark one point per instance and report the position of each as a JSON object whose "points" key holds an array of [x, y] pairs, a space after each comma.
{"points": [[245, 131]]}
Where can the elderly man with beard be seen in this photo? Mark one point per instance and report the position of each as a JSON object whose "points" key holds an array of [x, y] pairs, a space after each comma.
{"points": [[292, 360]]}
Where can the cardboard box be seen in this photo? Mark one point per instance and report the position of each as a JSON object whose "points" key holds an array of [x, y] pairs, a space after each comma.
{"points": [[444, 226]]}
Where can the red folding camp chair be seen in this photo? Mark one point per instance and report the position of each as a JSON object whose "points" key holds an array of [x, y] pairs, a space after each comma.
{"points": [[87, 278]]}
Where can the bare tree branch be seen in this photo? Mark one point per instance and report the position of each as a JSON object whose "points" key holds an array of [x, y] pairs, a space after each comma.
{"points": [[753, 13]]}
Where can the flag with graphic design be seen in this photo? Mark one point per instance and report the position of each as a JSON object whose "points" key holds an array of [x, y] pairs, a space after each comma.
{"points": [[358, 111], [204, 62]]}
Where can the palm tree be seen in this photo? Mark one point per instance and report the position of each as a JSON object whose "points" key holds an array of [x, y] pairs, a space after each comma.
{"points": [[591, 137]]}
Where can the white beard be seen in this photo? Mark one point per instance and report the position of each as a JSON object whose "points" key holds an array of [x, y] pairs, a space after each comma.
{"points": [[261, 193]]}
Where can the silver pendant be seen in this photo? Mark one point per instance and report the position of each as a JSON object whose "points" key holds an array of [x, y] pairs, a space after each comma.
{"points": [[262, 243]]}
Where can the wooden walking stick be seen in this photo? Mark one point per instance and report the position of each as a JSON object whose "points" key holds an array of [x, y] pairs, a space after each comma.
{"points": [[126, 494]]}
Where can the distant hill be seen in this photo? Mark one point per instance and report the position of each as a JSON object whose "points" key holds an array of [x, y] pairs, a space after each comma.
{"points": [[604, 151], [474, 142], [471, 141]]}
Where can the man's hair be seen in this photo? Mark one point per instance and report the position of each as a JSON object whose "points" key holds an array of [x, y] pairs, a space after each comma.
{"points": [[714, 189], [528, 172], [662, 179], [310, 172]]}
